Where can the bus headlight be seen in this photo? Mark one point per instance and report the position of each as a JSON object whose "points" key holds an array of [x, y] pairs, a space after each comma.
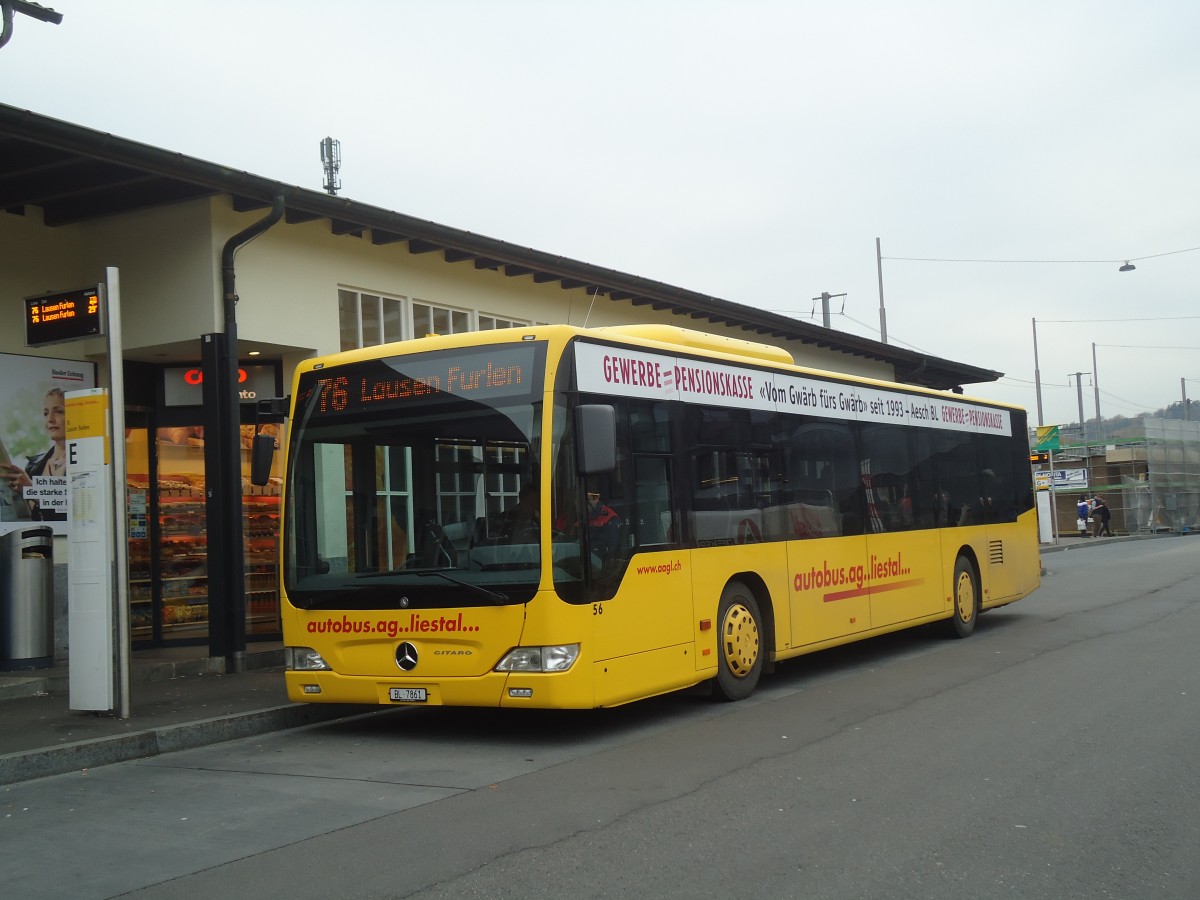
{"points": [[304, 659], [555, 658]]}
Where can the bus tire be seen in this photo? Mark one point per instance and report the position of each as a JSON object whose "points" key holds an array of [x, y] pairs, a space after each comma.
{"points": [[967, 597], [740, 650]]}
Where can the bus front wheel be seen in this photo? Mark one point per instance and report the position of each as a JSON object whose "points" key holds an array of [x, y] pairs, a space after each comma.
{"points": [[966, 599], [740, 651]]}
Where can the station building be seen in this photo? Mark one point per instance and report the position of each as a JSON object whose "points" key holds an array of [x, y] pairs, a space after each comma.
{"points": [[326, 274]]}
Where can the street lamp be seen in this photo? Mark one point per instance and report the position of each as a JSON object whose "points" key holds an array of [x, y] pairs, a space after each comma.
{"points": [[8, 8], [1128, 267]]}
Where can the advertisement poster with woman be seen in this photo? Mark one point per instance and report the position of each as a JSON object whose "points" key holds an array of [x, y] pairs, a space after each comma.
{"points": [[33, 438]]}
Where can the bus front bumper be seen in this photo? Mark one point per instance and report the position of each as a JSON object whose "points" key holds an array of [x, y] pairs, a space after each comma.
{"points": [[542, 690]]}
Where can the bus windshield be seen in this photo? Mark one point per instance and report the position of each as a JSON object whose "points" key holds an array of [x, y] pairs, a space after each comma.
{"points": [[412, 481]]}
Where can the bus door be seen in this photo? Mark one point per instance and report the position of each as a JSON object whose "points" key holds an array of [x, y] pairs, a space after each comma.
{"points": [[902, 565], [829, 592], [638, 575], [615, 550], [1001, 480]]}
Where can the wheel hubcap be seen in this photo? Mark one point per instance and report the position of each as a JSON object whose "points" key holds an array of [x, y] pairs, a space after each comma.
{"points": [[966, 597], [739, 640]]}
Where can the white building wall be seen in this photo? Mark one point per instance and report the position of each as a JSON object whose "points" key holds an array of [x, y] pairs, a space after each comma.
{"points": [[35, 259], [169, 292], [287, 280]]}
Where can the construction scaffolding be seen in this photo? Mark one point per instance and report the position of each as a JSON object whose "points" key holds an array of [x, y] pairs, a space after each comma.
{"points": [[1150, 482], [1171, 499]]}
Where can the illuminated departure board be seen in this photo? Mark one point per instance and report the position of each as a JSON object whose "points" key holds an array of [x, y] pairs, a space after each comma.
{"points": [[68, 316]]}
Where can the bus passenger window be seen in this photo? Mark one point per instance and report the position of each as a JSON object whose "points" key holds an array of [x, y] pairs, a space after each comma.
{"points": [[824, 481], [889, 486], [652, 523], [957, 481]]}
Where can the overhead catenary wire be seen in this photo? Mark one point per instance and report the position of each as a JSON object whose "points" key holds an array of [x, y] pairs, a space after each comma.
{"points": [[1132, 404], [1120, 402], [1137, 319], [1145, 347], [1039, 261]]}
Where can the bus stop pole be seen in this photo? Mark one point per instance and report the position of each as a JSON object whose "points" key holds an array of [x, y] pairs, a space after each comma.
{"points": [[116, 394], [1053, 500]]}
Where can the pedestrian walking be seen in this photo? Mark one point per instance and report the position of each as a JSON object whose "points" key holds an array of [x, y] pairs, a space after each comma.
{"points": [[1082, 511], [1101, 516]]}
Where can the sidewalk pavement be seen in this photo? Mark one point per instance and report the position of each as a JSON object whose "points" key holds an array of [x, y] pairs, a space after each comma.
{"points": [[1073, 541], [180, 699]]}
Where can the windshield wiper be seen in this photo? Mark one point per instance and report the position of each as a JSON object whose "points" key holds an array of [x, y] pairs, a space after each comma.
{"points": [[494, 595], [426, 573]]}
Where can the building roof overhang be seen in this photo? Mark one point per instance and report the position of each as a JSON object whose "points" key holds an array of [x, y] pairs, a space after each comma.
{"points": [[74, 174]]}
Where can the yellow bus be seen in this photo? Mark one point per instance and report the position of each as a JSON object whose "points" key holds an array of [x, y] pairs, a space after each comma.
{"points": [[559, 517]]}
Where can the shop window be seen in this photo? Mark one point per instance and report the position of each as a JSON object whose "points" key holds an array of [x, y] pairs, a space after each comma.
{"points": [[491, 323], [430, 319], [365, 320]]}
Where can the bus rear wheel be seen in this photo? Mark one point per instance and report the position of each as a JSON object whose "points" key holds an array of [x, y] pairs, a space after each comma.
{"points": [[740, 649], [967, 598]]}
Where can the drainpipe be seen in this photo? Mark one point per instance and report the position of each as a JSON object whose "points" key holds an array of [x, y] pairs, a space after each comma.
{"points": [[225, 492]]}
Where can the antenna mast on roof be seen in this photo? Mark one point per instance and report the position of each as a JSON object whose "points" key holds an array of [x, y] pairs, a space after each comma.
{"points": [[331, 159]]}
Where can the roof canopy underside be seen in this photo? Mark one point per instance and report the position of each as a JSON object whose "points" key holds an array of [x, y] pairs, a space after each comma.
{"points": [[74, 174]]}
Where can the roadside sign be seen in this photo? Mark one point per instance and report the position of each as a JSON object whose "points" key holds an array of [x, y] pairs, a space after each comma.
{"points": [[1047, 437], [1062, 479]]}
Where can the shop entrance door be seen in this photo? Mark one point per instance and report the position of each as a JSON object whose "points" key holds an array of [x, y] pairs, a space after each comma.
{"points": [[182, 544], [168, 539]]}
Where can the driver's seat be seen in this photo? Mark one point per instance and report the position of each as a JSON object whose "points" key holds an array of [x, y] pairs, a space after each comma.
{"points": [[434, 549]]}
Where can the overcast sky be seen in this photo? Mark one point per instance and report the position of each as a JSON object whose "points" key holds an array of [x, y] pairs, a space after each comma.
{"points": [[750, 150]]}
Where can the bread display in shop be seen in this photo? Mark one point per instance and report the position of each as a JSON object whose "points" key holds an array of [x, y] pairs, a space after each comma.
{"points": [[189, 436], [272, 430], [181, 483], [246, 433]]}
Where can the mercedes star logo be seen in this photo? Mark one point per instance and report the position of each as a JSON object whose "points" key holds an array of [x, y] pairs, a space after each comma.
{"points": [[406, 656]]}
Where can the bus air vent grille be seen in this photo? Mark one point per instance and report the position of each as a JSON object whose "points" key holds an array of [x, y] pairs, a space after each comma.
{"points": [[996, 552]]}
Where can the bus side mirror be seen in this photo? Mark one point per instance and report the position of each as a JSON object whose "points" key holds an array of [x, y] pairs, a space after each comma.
{"points": [[262, 450], [595, 438], [262, 454]]}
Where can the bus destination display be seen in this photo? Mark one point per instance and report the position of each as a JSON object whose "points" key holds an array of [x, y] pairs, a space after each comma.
{"points": [[68, 316], [489, 375]]}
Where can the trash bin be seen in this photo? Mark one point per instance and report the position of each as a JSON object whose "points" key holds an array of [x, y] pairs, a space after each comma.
{"points": [[27, 598]]}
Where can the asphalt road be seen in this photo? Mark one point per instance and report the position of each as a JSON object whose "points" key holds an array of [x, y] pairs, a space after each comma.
{"points": [[1053, 754]]}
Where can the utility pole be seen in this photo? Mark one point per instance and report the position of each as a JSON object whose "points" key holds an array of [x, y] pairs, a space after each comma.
{"points": [[1079, 391], [1096, 387], [882, 311], [825, 298], [1037, 375], [1183, 389]]}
